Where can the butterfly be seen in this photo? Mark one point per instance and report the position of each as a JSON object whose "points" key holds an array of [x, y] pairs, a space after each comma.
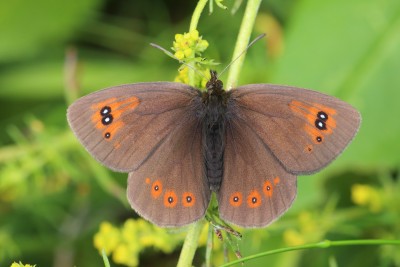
{"points": [[180, 144]]}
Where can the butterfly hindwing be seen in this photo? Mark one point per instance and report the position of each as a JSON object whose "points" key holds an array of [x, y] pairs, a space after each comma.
{"points": [[305, 130], [170, 189], [255, 188], [122, 125]]}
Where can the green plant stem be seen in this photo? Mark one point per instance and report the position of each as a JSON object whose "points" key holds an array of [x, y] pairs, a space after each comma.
{"points": [[193, 26], [241, 43], [323, 244], [196, 14], [190, 245]]}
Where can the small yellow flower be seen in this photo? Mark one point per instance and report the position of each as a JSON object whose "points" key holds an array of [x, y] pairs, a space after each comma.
{"points": [[179, 55], [293, 238], [123, 255], [194, 34], [20, 264], [178, 37], [188, 52], [365, 195], [107, 238]]}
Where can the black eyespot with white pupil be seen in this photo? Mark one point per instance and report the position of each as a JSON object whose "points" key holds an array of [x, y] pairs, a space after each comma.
{"points": [[319, 139], [107, 135], [106, 120], [188, 199], [254, 200], [322, 116], [235, 199], [105, 110], [320, 124], [170, 200], [156, 188], [268, 188]]}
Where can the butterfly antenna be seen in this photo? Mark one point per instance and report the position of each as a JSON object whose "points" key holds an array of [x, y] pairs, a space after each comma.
{"points": [[180, 61], [248, 46]]}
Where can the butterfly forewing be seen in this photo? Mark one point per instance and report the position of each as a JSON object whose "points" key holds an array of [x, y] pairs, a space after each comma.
{"points": [[305, 130], [121, 126], [255, 188]]}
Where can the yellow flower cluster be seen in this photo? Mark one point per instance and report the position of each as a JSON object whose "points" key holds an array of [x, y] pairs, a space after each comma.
{"points": [[14, 264], [188, 48], [126, 243], [308, 231], [188, 45], [200, 81], [365, 195]]}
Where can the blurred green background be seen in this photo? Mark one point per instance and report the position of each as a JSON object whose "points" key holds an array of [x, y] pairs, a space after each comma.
{"points": [[53, 196]]}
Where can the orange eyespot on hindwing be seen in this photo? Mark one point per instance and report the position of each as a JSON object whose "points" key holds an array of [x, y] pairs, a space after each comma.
{"points": [[236, 199], [188, 199], [156, 188], [268, 188], [320, 120], [107, 113], [254, 199], [170, 199]]}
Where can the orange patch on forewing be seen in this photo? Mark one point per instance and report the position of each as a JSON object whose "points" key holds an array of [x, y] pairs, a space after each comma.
{"points": [[147, 180], [268, 188], [308, 148], [117, 109], [120, 107], [188, 199], [96, 120], [170, 199], [331, 122], [298, 107], [156, 188], [236, 199], [277, 180], [254, 199], [310, 113], [117, 145], [112, 129]]}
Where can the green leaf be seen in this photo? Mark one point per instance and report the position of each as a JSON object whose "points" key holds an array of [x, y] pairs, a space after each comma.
{"points": [[28, 26]]}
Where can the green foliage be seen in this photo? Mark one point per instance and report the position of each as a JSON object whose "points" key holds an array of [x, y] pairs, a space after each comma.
{"points": [[54, 198]]}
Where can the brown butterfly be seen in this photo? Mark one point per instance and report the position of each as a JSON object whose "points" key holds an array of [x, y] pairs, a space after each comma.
{"points": [[179, 144]]}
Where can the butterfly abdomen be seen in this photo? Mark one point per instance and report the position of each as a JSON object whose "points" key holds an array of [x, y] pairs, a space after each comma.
{"points": [[214, 132], [213, 149]]}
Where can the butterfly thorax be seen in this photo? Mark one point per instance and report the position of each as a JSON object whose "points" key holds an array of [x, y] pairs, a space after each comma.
{"points": [[215, 101]]}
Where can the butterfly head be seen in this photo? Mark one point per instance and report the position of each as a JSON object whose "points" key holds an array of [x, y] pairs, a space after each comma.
{"points": [[214, 85]]}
